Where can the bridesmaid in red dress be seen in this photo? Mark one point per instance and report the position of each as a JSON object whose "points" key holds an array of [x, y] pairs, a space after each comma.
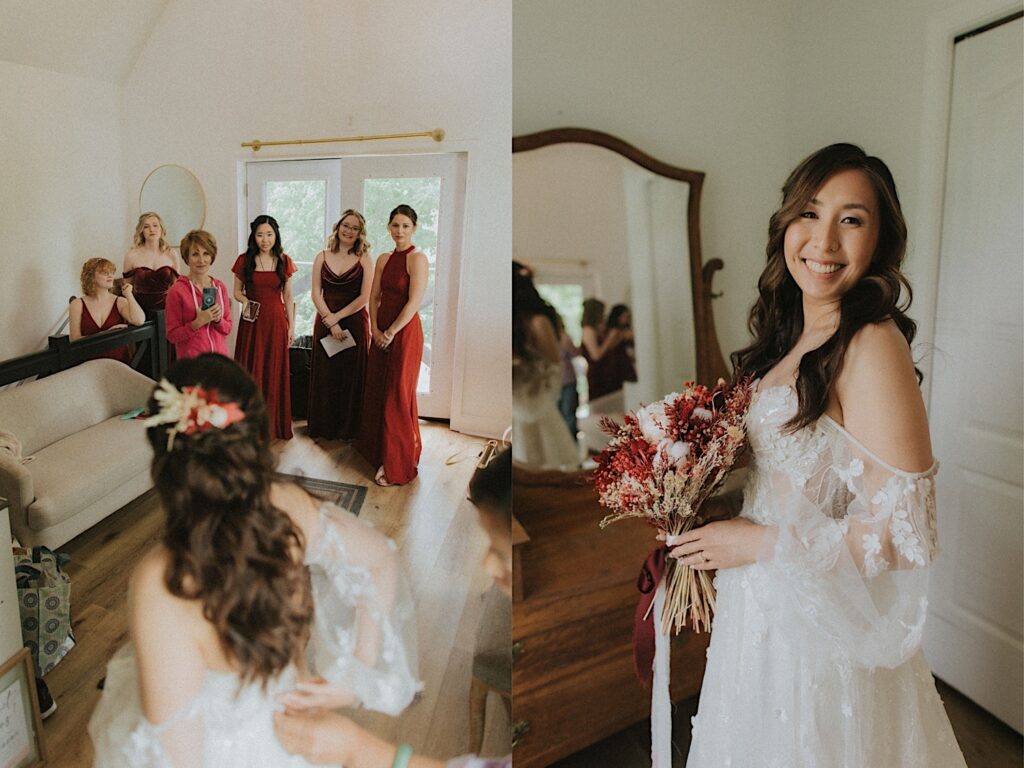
{"points": [[99, 301], [389, 431], [263, 286], [151, 266], [342, 279]]}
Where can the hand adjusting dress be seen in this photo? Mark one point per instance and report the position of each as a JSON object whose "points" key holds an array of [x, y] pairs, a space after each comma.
{"points": [[363, 637], [815, 658]]}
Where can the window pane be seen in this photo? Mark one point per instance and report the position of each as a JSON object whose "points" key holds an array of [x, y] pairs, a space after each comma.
{"points": [[300, 210], [380, 197]]}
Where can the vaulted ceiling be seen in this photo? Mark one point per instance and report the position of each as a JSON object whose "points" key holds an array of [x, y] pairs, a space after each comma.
{"points": [[98, 39]]}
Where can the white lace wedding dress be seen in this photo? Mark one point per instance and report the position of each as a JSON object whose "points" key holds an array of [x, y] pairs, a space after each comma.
{"points": [[363, 638], [540, 438], [815, 658]]}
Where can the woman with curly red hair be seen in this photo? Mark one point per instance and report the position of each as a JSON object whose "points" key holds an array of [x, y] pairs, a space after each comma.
{"points": [[99, 301]]}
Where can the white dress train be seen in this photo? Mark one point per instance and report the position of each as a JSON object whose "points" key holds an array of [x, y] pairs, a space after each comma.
{"points": [[815, 658], [363, 637]]}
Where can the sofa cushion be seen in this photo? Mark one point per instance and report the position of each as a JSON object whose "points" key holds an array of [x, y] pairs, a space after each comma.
{"points": [[76, 471], [43, 412]]}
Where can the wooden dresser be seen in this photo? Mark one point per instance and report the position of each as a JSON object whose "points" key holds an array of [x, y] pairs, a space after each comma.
{"points": [[572, 619]]}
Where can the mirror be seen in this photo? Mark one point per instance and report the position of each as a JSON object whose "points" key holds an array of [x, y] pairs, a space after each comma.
{"points": [[176, 194], [596, 217]]}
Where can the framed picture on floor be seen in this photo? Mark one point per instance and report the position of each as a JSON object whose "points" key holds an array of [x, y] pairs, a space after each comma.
{"points": [[21, 728]]}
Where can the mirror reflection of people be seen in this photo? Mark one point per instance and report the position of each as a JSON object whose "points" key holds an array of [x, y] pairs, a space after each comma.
{"points": [[151, 266], [389, 431], [597, 343], [263, 286], [330, 738], [541, 439], [198, 308], [622, 361], [99, 301], [342, 279], [254, 587], [815, 655]]}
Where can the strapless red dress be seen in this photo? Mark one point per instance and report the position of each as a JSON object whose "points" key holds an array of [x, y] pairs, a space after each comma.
{"points": [[151, 285]]}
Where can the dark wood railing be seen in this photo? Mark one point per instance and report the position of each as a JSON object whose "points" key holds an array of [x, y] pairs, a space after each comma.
{"points": [[150, 356]]}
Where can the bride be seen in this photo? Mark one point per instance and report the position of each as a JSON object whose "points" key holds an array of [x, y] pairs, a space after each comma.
{"points": [[541, 438], [815, 658], [254, 589]]}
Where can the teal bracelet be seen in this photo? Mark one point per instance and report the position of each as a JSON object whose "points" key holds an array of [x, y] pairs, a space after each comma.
{"points": [[402, 757]]}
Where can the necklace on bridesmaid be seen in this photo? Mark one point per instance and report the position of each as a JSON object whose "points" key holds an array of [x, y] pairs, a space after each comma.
{"points": [[262, 265]]}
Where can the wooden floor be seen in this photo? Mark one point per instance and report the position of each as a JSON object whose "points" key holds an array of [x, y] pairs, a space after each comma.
{"points": [[441, 545], [985, 741]]}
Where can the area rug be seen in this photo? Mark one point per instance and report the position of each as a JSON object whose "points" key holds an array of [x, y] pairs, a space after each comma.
{"points": [[348, 496]]}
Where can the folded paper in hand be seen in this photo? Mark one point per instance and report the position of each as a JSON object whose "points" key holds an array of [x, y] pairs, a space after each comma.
{"points": [[333, 346]]}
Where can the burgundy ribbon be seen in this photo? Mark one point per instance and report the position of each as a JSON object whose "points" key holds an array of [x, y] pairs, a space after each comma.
{"points": [[643, 629]]}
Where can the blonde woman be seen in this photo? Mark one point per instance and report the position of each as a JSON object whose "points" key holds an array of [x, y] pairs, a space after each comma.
{"points": [[151, 266], [342, 278], [99, 309]]}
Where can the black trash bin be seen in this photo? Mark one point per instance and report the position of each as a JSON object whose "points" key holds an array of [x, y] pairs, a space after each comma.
{"points": [[300, 360]]}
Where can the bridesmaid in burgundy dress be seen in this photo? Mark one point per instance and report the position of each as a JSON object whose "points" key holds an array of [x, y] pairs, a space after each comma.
{"points": [[151, 266], [99, 301], [597, 344], [342, 278], [263, 286], [389, 431]]}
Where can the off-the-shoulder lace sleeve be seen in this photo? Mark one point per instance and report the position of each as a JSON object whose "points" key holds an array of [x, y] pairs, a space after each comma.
{"points": [[363, 635], [855, 537], [123, 738]]}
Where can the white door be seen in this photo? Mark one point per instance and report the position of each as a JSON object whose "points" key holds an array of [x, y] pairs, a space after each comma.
{"points": [[435, 186], [305, 198], [975, 629]]}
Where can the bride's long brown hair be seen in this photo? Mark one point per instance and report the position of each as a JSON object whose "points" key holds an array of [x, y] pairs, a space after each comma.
{"points": [[230, 548], [776, 319]]}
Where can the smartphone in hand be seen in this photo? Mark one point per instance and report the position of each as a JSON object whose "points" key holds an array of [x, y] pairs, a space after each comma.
{"points": [[209, 297]]}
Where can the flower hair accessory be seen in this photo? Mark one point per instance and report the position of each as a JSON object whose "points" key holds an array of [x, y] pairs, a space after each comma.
{"points": [[191, 409]]}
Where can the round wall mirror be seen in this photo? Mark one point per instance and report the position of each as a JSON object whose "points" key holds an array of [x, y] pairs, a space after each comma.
{"points": [[176, 194]]}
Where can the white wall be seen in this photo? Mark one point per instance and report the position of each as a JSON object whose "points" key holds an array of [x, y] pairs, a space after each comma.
{"points": [[743, 91], [694, 84], [213, 75], [61, 196]]}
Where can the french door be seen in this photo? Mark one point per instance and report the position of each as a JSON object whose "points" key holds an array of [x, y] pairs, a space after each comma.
{"points": [[307, 197]]}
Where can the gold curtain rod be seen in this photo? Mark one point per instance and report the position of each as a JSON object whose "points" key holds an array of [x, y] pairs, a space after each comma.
{"points": [[437, 135]]}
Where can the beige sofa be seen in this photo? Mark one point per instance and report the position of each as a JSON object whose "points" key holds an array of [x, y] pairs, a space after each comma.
{"points": [[87, 461]]}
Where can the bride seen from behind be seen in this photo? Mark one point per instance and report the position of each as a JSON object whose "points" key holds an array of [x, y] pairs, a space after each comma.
{"points": [[254, 588], [815, 656], [541, 438]]}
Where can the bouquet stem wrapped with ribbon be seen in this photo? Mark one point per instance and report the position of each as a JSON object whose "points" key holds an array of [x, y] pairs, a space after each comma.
{"points": [[661, 464]]}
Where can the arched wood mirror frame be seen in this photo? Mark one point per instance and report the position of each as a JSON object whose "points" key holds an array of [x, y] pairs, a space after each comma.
{"points": [[710, 364]]}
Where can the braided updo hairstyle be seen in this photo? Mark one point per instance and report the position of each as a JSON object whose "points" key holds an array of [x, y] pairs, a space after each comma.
{"points": [[230, 548]]}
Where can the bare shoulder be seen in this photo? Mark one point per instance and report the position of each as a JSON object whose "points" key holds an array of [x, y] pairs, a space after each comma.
{"points": [[147, 587], [540, 326], [76, 305], [880, 399], [129, 259], [419, 258], [297, 504]]}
